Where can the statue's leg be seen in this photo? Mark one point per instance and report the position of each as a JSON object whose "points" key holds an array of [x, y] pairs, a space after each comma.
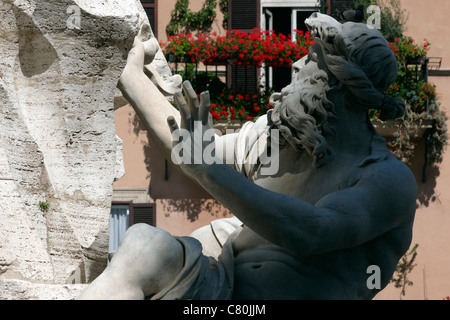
{"points": [[148, 259], [213, 236]]}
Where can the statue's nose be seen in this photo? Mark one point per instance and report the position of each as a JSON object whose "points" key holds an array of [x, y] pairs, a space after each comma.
{"points": [[297, 67]]}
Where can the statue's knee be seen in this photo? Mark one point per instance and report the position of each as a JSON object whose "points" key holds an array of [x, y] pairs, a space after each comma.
{"points": [[142, 235], [152, 255], [150, 244], [140, 230]]}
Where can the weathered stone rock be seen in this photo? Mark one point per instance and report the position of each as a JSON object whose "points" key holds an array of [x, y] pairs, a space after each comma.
{"points": [[59, 66], [26, 290]]}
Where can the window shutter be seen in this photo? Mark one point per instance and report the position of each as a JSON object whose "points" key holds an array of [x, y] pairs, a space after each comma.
{"points": [[143, 213], [244, 14], [244, 79]]}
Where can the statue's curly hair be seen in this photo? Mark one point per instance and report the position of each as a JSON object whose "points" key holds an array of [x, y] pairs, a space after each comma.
{"points": [[305, 125], [356, 60], [360, 59]]}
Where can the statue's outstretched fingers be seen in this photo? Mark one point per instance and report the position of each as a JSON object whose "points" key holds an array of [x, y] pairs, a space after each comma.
{"points": [[205, 107], [192, 100], [186, 119], [173, 125]]}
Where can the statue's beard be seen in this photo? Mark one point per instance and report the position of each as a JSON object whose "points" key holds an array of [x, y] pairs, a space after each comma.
{"points": [[303, 123]]}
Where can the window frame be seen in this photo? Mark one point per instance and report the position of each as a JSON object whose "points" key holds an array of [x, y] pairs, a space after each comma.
{"points": [[154, 5], [133, 205]]}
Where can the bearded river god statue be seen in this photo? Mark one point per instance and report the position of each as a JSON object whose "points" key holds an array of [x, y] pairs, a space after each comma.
{"points": [[338, 205]]}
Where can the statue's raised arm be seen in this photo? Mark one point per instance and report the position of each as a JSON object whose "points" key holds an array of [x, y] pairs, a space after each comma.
{"points": [[148, 101], [147, 91]]}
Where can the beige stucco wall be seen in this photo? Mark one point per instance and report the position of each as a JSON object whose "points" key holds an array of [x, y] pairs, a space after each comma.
{"points": [[165, 8], [182, 206], [431, 277], [429, 20]]}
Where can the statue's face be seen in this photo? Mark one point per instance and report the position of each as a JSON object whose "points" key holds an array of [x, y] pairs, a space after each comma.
{"points": [[304, 68], [301, 109], [308, 65], [310, 82], [323, 26]]}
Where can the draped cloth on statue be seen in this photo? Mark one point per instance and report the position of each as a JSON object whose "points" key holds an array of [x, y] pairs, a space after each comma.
{"points": [[202, 277]]}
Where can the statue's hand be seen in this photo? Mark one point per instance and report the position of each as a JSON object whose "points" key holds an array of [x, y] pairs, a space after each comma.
{"points": [[139, 61], [193, 142], [136, 55], [134, 65]]}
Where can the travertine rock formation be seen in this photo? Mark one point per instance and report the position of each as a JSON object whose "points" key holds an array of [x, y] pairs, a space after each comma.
{"points": [[59, 155]]}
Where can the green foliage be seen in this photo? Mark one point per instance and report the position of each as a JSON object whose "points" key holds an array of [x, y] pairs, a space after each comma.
{"points": [[203, 81], [422, 105], [408, 51], [406, 136], [323, 6], [223, 4], [183, 20], [404, 268], [44, 206]]}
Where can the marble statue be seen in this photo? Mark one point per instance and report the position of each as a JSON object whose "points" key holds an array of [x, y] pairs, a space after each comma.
{"points": [[339, 205]]}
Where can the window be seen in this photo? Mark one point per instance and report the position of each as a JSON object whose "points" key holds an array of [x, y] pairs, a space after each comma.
{"points": [[282, 18], [118, 224], [125, 214], [150, 7]]}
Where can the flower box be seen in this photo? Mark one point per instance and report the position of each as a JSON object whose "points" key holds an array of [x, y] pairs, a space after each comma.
{"points": [[388, 128]]}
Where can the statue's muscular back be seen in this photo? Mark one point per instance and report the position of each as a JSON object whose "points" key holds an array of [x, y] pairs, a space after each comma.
{"points": [[343, 274]]}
